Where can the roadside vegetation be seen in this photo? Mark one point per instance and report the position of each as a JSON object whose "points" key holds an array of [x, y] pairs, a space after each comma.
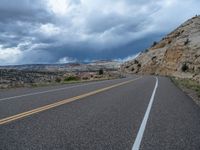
{"points": [[18, 78], [101, 71], [191, 87], [188, 83], [71, 78]]}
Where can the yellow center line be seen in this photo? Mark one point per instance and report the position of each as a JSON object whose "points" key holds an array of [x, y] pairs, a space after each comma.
{"points": [[53, 105]]}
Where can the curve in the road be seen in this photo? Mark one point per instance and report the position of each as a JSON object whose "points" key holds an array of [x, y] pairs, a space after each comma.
{"points": [[136, 145]]}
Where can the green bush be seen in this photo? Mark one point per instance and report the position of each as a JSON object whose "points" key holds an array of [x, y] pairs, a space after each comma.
{"points": [[186, 42], [127, 67], [184, 68], [58, 80], [100, 71], [71, 78], [154, 57], [139, 65], [85, 78], [136, 61], [154, 44]]}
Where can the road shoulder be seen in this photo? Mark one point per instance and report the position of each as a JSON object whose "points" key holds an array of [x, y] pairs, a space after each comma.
{"points": [[190, 87]]}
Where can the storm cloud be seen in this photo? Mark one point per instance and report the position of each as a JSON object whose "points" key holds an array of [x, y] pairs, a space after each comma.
{"points": [[59, 31]]}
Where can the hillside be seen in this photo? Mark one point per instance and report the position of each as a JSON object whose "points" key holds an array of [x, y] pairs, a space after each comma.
{"points": [[68, 67], [46, 74], [177, 54]]}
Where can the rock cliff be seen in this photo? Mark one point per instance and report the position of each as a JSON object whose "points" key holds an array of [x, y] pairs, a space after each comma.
{"points": [[177, 54]]}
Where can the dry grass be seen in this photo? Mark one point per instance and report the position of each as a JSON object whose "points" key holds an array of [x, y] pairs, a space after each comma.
{"points": [[188, 84]]}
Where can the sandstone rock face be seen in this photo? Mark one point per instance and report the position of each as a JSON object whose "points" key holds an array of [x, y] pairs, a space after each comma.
{"points": [[177, 54]]}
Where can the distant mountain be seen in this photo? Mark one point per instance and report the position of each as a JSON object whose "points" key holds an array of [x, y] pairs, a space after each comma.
{"points": [[177, 54], [70, 67]]}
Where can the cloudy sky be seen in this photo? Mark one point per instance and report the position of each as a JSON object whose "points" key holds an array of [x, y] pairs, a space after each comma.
{"points": [[61, 31]]}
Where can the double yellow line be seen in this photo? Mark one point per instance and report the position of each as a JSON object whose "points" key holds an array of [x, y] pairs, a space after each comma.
{"points": [[43, 108]]}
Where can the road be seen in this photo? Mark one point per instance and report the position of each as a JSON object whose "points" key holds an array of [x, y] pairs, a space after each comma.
{"points": [[139, 112]]}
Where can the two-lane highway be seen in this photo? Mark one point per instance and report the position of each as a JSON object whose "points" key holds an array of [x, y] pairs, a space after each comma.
{"points": [[138, 112]]}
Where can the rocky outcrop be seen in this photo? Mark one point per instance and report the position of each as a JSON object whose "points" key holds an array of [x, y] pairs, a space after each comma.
{"points": [[177, 54]]}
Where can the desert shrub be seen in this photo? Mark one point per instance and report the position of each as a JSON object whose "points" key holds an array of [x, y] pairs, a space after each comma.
{"points": [[184, 68], [101, 72], [85, 78], [169, 42], [127, 67], [71, 78], [139, 65], [186, 42], [136, 61], [154, 43], [153, 58], [58, 80]]}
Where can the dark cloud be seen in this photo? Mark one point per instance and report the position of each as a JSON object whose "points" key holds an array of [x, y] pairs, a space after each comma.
{"points": [[23, 10], [47, 31]]}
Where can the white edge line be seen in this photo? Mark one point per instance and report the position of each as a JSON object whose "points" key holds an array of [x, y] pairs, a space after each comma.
{"points": [[53, 90], [136, 145]]}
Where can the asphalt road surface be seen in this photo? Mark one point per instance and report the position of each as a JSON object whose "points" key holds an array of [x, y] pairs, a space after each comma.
{"points": [[139, 112]]}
